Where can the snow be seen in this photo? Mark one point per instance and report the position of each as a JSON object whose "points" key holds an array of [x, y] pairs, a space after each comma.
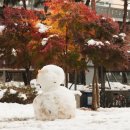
{"points": [[2, 92], [22, 96], [107, 42], [2, 27], [117, 86], [42, 28], [21, 117], [14, 83], [44, 41], [14, 53], [115, 36], [95, 43], [13, 91], [122, 34]]}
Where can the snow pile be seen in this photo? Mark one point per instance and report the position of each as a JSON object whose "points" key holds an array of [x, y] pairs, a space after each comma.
{"points": [[56, 101], [21, 117]]}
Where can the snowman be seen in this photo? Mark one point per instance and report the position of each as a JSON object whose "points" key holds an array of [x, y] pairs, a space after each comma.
{"points": [[55, 101]]}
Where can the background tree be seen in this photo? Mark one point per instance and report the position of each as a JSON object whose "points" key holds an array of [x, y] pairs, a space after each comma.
{"points": [[20, 31], [72, 21], [104, 52], [93, 5], [123, 27]]}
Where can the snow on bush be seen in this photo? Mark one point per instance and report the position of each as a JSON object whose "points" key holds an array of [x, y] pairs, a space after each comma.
{"points": [[22, 95], [42, 28]]}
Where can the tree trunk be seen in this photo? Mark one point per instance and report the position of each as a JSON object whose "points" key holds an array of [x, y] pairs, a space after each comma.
{"points": [[102, 92], [66, 53], [97, 91], [124, 16], [87, 2], [24, 4], [93, 5], [5, 3], [75, 79], [66, 77], [94, 90], [124, 78], [26, 76]]}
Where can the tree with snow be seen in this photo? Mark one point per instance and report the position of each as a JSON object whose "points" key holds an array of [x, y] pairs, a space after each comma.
{"points": [[104, 52], [20, 29], [71, 20]]}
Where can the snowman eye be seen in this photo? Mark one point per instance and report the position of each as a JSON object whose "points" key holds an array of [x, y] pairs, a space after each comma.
{"points": [[39, 85]]}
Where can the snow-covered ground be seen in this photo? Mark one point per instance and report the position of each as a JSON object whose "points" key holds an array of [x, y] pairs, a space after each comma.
{"points": [[21, 117]]}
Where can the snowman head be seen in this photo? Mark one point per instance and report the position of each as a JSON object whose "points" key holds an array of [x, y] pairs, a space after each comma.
{"points": [[50, 77]]}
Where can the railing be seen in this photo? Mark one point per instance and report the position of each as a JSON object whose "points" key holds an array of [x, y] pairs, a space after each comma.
{"points": [[116, 13]]}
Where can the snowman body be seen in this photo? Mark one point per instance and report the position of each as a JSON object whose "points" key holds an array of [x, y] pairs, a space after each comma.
{"points": [[55, 102]]}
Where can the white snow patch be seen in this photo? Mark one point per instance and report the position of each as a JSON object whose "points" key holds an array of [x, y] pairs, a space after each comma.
{"points": [[42, 28], [44, 41], [14, 53], [14, 83], [15, 116], [2, 92], [128, 51], [107, 42], [122, 34], [117, 86], [12, 91], [22, 96], [2, 27], [95, 43], [115, 36]]}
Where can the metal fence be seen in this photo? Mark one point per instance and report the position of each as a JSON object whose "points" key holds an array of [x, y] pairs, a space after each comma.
{"points": [[116, 13]]}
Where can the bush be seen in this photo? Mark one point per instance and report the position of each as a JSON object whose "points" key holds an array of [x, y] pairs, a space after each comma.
{"points": [[24, 95]]}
